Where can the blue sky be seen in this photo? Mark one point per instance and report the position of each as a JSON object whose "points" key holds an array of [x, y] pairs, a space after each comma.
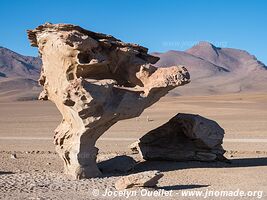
{"points": [[160, 25]]}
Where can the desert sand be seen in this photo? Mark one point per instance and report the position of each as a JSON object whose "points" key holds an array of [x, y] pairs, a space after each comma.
{"points": [[37, 172]]}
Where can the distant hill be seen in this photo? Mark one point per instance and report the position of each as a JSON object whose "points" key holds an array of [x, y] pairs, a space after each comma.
{"points": [[217, 70], [18, 76], [213, 70], [13, 64]]}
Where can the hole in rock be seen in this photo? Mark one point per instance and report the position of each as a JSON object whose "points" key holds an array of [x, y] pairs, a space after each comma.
{"points": [[101, 71], [70, 76], [84, 58]]}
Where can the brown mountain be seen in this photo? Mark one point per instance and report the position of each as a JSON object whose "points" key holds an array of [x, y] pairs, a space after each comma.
{"points": [[13, 64], [213, 70], [217, 70], [18, 76]]}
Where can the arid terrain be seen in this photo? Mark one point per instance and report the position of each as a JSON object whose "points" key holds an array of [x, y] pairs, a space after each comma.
{"points": [[26, 130], [139, 100], [227, 86]]}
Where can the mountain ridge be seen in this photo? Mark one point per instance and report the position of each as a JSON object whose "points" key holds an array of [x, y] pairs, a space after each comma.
{"points": [[213, 70], [13, 64], [216, 70], [18, 76]]}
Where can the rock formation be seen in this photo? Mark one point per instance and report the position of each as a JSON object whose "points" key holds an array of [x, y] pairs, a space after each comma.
{"points": [[142, 179], [95, 80], [183, 137]]}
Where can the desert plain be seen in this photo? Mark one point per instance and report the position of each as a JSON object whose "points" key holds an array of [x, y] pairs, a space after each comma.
{"points": [[104, 90], [26, 131]]}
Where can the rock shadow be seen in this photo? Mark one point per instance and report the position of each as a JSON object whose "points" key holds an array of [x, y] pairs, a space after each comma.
{"points": [[117, 166], [3, 173], [181, 187], [165, 166]]}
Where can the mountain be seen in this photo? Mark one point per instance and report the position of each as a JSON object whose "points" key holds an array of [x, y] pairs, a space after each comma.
{"points": [[217, 70], [15, 65], [230, 59], [213, 70], [18, 76], [197, 67]]}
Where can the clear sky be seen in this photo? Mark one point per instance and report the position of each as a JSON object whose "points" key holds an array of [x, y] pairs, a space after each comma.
{"points": [[160, 25]]}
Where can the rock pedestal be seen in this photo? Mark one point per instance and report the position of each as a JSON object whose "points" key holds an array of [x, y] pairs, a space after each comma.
{"points": [[95, 80]]}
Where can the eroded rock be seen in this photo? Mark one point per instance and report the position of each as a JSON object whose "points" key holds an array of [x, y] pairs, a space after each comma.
{"points": [[142, 179], [183, 137], [95, 80]]}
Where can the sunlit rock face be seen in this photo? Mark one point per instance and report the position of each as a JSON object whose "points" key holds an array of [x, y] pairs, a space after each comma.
{"points": [[95, 80]]}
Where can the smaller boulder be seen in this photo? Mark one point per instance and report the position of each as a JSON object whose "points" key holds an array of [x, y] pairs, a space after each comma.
{"points": [[184, 137], [13, 156], [142, 179], [134, 147]]}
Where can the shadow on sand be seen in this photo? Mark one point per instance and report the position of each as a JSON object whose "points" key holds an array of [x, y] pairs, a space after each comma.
{"points": [[181, 187], [165, 166], [3, 173]]}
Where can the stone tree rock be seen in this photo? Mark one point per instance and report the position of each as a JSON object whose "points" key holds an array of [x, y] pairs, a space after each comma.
{"points": [[183, 137], [95, 80]]}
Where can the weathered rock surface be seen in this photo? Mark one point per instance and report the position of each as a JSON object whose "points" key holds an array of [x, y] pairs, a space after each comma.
{"points": [[183, 137], [95, 80], [142, 179]]}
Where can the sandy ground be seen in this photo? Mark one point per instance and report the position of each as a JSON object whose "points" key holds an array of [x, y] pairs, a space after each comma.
{"points": [[26, 129]]}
